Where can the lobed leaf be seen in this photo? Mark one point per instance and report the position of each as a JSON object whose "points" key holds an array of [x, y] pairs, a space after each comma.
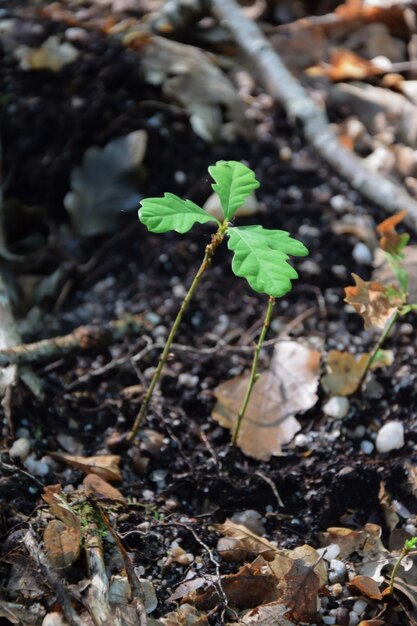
{"points": [[261, 256], [234, 183], [171, 213]]}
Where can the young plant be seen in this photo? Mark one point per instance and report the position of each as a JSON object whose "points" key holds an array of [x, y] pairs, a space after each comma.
{"points": [[409, 546], [382, 305], [259, 255]]}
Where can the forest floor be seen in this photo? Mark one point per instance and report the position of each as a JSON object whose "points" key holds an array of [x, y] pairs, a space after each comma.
{"points": [[182, 478]]}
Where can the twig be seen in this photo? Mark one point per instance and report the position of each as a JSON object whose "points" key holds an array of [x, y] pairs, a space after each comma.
{"points": [[33, 547], [286, 90], [82, 338]]}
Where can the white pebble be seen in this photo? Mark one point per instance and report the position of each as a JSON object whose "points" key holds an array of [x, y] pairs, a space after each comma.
{"points": [[337, 407], [362, 254], [328, 619], [187, 380], [251, 519], [179, 290], [367, 447], [301, 440], [330, 552], [338, 570], [360, 606], [20, 448], [353, 618], [339, 203], [390, 437], [410, 528], [401, 509], [359, 431], [37, 468]]}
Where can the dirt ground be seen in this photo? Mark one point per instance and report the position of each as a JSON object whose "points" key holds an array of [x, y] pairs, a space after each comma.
{"points": [[183, 476]]}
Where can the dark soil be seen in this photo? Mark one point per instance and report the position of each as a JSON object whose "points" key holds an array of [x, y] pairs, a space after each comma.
{"points": [[204, 480]]}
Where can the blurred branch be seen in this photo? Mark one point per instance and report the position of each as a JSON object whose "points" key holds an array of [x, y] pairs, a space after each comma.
{"points": [[286, 90]]}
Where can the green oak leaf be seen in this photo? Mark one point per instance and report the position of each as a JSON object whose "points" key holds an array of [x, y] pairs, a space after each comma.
{"points": [[261, 256], [234, 183], [172, 213]]}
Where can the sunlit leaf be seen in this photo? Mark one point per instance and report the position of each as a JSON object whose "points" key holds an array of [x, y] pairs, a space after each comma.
{"points": [[370, 300], [261, 256], [171, 213], [234, 183], [344, 372]]}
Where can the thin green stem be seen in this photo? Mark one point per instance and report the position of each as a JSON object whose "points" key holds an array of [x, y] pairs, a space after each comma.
{"points": [[216, 240], [378, 346], [254, 371], [403, 554]]}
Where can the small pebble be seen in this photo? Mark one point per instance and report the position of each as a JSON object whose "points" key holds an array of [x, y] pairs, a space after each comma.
{"points": [[301, 440], [20, 448], [360, 606], [362, 254], [159, 331], [187, 380], [338, 569], [152, 318], [251, 519], [337, 407], [339, 203], [336, 590], [35, 467], [179, 291], [328, 619], [180, 177], [390, 437], [359, 431], [353, 618], [367, 447], [330, 552]]}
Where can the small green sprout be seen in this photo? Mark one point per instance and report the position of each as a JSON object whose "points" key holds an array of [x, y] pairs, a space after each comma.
{"points": [[259, 255], [409, 546]]}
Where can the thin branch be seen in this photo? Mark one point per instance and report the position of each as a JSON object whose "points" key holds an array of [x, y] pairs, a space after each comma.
{"points": [[286, 90]]}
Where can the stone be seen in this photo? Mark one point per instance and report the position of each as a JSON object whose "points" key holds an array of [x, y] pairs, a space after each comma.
{"points": [[20, 449], [390, 437], [337, 407]]}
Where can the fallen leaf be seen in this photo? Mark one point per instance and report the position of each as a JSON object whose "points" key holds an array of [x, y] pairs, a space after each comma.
{"points": [[102, 489], [300, 574], [370, 300], [272, 614], [185, 615], [191, 77], [345, 65], [347, 539], [106, 184], [59, 506], [344, 372], [245, 541], [289, 387], [385, 501], [250, 587], [365, 586], [106, 466], [391, 241], [53, 55], [62, 544]]}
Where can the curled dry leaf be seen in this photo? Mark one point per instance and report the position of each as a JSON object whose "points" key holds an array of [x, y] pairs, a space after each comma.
{"points": [[391, 241], [106, 184], [289, 387], [272, 614], [365, 586], [59, 506], [344, 371], [101, 488], [246, 541], [370, 300], [106, 465], [62, 543]]}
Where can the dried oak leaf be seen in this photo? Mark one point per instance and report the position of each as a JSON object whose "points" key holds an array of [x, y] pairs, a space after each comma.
{"points": [[272, 614], [245, 541], [391, 241], [102, 489], [300, 574], [106, 465], [365, 586], [345, 65], [287, 388], [344, 371], [62, 543], [250, 587], [370, 300], [59, 506]]}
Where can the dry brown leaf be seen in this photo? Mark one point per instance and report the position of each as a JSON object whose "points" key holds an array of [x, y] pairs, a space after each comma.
{"points": [[300, 574], [102, 489], [345, 65], [59, 506], [52, 55], [185, 615], [390, 239], [246, 540], [289, 387], [365, 586], [250, 587], [272, 614], [369, 299], [347, 539], [106, 465], [62, 544], [385, 501], [344, 371]]}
